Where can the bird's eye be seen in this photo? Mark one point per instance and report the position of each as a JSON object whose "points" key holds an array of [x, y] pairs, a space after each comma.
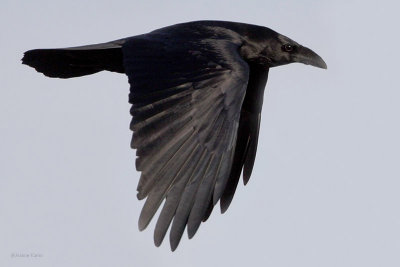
{"points": [[288, 48]]}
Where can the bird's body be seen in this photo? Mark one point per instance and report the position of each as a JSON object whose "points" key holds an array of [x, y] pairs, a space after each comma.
{"points": [[196, 93]]}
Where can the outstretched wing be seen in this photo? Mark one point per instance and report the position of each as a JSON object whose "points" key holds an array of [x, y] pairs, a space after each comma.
{"points": [[186, 102]]}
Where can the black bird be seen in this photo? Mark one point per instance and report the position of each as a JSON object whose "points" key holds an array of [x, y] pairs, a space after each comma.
{"points": [[196, 91]]}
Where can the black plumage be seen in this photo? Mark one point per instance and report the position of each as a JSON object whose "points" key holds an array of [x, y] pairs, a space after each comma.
{"points": [[196, 93]]}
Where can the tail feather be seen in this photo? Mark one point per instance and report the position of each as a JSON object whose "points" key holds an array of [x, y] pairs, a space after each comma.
{"points": [[76, 61]]}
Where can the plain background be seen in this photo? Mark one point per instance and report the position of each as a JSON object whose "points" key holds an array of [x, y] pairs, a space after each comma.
{"points": [[325, 188]]}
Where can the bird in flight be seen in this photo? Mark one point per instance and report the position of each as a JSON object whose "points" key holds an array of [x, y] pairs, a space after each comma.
{"points": [[196, 91]]}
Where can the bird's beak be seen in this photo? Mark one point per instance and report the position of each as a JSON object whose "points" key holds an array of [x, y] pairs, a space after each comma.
{"points": [[309, 57]]}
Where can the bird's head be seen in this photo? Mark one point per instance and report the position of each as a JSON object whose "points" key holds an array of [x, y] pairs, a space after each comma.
{"points": [[276, 50], [282, 50]]}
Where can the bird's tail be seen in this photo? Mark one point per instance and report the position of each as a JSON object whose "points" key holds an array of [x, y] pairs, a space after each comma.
{"points": [[76, 61]]}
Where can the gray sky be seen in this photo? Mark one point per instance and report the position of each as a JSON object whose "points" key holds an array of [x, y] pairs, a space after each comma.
{"points": [[325, 188]]}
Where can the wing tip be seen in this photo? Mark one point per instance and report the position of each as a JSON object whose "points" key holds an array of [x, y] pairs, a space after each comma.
{"points": [[192, 229], [225, 202], [157, 242], [144, 220], [174, 242]]}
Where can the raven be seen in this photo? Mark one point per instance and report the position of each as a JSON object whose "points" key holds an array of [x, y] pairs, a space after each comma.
{"points": [[196, 91]]}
